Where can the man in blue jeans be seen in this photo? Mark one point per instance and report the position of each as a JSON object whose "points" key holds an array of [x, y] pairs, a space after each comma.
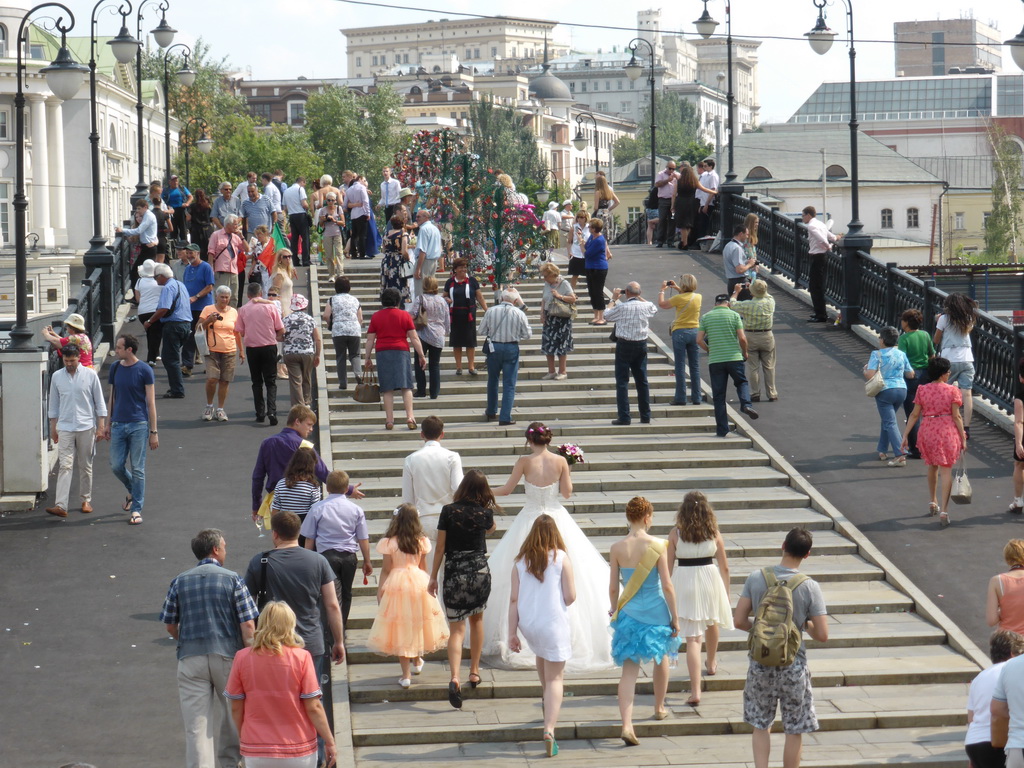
{"points": [[174, 311], [721, 336], [132, 425], [632, 324], [504, 326]]}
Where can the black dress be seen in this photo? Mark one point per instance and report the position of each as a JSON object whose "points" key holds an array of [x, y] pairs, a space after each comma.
{"points": [[199, 227], [463, 296], [467, 580]]}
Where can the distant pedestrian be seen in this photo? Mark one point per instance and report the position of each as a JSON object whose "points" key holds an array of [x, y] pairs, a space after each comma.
{"points": [[296, 204], [302, 348], [391, 334], [218, 321], [432, 335], [464, 294], [431, 475], [504, 326], [146, 231], [132, 408], [788, 686], [942, 438], [179, 199], [77, 414], [737, 264], [556, 334], [596, 257], [210, 613], [895, 369], [953, 340], [709, 178], [228, 254], [336, 528], [199, 282], [331, 219], [260, 327], [147, 296], [665, 181], [685, 351], [721, 336], [758, 315], [819, 241], [409, 621], [390, 190], [357, 201], [428, 251], [275, 695], [174, 311], [578, 234], [199, 224], [917, 346], [344, 315], [223, 205], [632, 320]]}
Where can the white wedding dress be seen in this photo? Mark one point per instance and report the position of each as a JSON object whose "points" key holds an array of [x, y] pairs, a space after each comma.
{"points": [[588, 616]]}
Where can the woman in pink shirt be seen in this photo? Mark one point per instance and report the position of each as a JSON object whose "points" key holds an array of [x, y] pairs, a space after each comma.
{"points": [[275, 697]]}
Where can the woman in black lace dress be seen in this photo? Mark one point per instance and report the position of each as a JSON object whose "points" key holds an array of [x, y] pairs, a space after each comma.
{"points": [[462, 532], [396, 267]]}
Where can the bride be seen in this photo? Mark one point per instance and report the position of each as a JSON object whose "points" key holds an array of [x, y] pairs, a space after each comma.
{"points": [[544, 475]]}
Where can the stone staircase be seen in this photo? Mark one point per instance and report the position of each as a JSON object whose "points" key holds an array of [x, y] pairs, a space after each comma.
{"points": [[890, 685]]}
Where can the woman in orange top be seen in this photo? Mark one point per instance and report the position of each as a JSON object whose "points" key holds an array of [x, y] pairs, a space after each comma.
{"points": [[1005, 604]]}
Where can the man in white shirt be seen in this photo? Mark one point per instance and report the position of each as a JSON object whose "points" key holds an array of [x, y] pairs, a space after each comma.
{"points": [[296, 204], [358, 203], [819, 244], [241, 193], [428, 249], [146, 231], [431, 475], [76, 410], [389, 197], [271, 191], [709, 178]]}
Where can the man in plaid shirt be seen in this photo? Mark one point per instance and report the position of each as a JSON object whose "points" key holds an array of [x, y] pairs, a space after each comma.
{"points": [[211, 614]]}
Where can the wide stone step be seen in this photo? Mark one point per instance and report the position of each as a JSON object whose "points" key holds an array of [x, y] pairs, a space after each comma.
{"points": [[596, 717], [529, 381], [929, 747]]}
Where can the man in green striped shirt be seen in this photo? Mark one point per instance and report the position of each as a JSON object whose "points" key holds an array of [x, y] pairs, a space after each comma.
{"points": [[721, 335]]}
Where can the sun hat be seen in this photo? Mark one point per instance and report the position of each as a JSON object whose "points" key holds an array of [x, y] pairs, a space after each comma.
{"points": [[146, 270], [299, 302], [76, 321]]}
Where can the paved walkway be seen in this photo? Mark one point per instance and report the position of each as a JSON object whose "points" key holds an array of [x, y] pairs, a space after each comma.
{"points": [[93, 671]]}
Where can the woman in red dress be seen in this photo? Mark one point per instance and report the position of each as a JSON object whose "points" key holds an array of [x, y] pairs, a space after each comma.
{"points": [[941, 436]]}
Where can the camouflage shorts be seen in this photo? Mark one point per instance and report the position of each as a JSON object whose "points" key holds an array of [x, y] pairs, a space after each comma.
{"points": [[788, 687]]}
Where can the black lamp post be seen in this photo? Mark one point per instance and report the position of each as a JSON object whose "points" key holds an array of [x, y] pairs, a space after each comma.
{"points": [[63, 77], [543, 195], [164, 36], [204, 144], [821, 38], [186, 77], [633, 71], [1017, 48], [581, 141], [124, 47]]}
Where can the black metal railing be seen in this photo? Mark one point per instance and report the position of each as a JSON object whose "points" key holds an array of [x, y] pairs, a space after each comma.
{"points": [[634, 234], [886, 291]]}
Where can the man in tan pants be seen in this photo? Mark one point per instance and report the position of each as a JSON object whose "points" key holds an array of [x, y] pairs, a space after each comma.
{"points": [[758, 315]]}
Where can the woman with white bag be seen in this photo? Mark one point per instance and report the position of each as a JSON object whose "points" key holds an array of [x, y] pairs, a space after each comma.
{"points": [[893, 366]]}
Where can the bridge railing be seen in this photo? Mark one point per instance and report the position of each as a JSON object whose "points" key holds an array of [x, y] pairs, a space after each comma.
{"points": [[885, 293]]}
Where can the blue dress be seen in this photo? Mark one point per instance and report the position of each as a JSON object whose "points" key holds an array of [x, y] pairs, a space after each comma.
{"points": [[643, 629]]}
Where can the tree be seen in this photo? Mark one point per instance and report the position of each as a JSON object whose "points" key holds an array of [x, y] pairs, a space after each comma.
{"points": [[678, 134], [1003, 228], [502, 141], [361, 133]]}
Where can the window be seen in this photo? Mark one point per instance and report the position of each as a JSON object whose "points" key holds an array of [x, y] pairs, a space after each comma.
{"points": [[958, 220], [912, 218], [984, 221], [583, 86], [602, 106], [759, 172], [5, 212], [887, 218], [620, 84], [260, 110], [607, 85], [494, 52], [469, 54], [36, 51], [3, 123], [398, 58], [405, 58], [3, 42], [476, 53], [632, 214], [835, 172], [296, 113], [572, 85], [623, 106], [30, 295], [376, 60], [359, 61]]}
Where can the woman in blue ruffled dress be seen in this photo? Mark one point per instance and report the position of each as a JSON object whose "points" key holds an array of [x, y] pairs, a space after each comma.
{"points": [[645, 626]]}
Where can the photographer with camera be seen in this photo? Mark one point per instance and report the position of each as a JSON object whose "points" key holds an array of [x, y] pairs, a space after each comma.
{"points": [[331, 220], [217, 322], [736, 263]]}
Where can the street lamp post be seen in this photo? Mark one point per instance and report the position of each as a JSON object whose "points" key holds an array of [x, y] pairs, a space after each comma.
{"points": [[186, 77], [633, 71], [706, 28], [203, 144], [63, 77], [124, 48], [164, 36], [1017, 48], [543, 195], [821, 39], [581, 141]]}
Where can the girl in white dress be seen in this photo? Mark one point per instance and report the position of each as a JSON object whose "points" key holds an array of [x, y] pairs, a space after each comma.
{"points": [[542, 589], [544, 475], [701, 592]]}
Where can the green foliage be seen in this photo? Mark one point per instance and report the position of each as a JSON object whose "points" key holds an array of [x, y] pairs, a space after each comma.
{"points": [[358, 133], [678, 132], [503, 142], [241, 147], [1003, 229]]}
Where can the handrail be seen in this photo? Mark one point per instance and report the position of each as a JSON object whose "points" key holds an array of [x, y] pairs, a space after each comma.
{"points": [[635, 233]]}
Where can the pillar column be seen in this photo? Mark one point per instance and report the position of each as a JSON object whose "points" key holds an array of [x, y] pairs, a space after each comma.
{"points": [[58, 188], [40, 200]]}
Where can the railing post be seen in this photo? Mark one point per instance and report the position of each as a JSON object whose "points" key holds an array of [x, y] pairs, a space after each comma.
{"points": [[772, 240], [890, 292], [850, 246], [800, 255], [1018, 349], [104, 263], [729, 192], [929, 307]]}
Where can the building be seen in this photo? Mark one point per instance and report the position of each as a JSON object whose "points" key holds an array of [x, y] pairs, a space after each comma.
{"points": [[510, 43], [284, 101], [946, 46]]}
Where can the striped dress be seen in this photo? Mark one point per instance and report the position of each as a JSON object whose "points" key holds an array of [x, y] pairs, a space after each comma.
{"points": [[298, 499]]}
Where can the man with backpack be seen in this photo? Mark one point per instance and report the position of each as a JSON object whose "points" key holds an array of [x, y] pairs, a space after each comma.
{"points": [[783, 603]]}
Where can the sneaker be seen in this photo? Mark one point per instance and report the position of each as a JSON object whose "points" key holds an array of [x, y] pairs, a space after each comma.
{"points": [[561, 376], [208, 413], [221, 416], [548, 376]]}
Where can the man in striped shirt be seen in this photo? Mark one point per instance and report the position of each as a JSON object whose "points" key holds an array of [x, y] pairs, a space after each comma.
{"points": [[721, 336], [632, 320], [504, 326], [758, 315]]}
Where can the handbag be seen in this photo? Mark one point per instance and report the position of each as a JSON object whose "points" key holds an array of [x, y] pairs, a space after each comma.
{"points": [[561, 308], [203, 340], [961, 493], [420, 320], [367, 391], [406, 269], [876, 383]]}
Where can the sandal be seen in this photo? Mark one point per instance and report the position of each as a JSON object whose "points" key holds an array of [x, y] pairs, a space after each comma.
{"points": [[693, 702], [135, 519], [933, 509], [410, 423], [551, 745], [660, 714], [899, 461], [474, 683], [389, 425], [944, 519], [127, 504], [630, 738], [710, 671], [455, 694], [883, 457]]}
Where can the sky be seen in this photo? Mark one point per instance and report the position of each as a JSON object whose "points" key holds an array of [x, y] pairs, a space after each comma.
{"points": [[307, 40]]}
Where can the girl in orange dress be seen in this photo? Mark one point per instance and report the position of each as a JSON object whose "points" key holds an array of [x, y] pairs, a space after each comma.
{"points": [[409, 622]]}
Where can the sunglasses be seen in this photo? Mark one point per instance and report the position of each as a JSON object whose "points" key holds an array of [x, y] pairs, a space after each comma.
{"points": [[273, 295]]}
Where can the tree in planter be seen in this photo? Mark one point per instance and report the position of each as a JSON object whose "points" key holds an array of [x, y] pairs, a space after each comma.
{"points": [[1004, 225]]}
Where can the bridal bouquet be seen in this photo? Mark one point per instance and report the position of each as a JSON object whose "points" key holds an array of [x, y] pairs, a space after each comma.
{"points": [[572, 453]]}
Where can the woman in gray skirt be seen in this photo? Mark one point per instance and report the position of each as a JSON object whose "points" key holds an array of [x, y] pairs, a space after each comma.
{"points": [[391, 333]]}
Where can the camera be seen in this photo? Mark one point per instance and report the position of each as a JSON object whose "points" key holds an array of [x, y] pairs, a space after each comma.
{"points": [[217, 316]]}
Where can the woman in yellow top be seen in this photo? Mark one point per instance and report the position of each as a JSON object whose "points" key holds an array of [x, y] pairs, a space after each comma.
{"points": [[686, 303]]}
